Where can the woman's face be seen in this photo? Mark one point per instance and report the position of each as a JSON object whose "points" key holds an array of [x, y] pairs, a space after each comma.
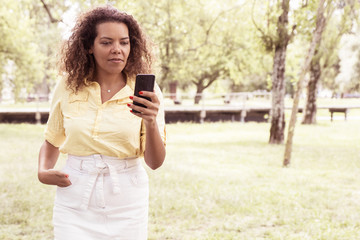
{"points": [[111, 48]]}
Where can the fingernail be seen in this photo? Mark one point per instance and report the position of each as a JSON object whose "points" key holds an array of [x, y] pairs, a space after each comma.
{"points": [[131, 111], [141, 92], [129, 104], [131, 97], [66, 175]]}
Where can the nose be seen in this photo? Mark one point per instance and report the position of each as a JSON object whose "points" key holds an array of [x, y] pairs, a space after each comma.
{"points": [[116, 48]]}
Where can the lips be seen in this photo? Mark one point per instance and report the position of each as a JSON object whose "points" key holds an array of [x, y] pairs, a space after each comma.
{"points": [[116, 60]]}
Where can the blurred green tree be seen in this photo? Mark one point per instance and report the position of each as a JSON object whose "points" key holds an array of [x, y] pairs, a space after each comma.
{"points": [[27, 43], [276, 36], [354, 84], [21, 65], [195, 40], [340, 17]]}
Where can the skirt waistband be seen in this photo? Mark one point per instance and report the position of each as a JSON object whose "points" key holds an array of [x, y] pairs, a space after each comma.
{"points": [[98, 160], [97, 166], [96, 156]]}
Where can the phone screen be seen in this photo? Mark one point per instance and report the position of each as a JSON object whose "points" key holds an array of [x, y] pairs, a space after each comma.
{"points": [[144, 82]]}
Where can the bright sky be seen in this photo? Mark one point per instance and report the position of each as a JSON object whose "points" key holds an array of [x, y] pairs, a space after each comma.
{"points": [[69, 21]]}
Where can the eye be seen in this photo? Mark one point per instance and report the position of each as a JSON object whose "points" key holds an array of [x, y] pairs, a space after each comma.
{"points": [[124, 42], [105, 43]]}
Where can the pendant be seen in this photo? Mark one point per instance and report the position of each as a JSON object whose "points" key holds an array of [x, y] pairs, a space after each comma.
{"points": [[108, 91]]}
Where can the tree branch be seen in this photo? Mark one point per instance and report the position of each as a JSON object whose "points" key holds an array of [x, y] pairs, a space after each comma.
{"points": [[217, 17], [253, 20], [52, 19], [207, 32], [195, 82], [292, 34]]}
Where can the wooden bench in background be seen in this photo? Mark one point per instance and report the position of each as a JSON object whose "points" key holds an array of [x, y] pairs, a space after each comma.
{"points": [[332, 110]]}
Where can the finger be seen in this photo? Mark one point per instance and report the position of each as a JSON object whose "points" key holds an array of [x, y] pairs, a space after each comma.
{"points": [[139, 114], [136, 108], [145, 105], [151, 95], [143, 112], [143, 101], [136, 114], [61, 174], [65, 183], [150, 110]]}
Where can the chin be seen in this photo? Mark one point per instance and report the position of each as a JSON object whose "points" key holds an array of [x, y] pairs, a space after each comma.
{"points": [[117, 71]]}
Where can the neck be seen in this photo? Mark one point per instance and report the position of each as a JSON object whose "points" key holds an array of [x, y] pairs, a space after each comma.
{"points": [[111, 81]]}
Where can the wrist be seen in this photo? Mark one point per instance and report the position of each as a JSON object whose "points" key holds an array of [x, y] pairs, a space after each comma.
{"points": [[151, 125], [42, 176]]}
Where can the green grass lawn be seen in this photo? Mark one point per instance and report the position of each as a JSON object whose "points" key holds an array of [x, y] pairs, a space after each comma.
{"points": [[219, 181]]}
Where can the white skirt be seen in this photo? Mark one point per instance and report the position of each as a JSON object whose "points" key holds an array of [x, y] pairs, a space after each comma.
{"points": [[108, 199]]}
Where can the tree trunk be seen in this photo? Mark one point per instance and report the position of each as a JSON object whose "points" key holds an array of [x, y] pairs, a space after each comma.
{"points": [[173, 88], [311, 108], [278, 94], [278, 78], [205, 80], [199, 91], [320, 25]]}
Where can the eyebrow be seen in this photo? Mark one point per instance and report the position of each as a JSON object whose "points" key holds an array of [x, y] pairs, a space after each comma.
{"points": [[124, 38]]}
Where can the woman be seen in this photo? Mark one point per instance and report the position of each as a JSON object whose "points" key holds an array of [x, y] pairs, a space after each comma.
{"points": [[103, 190]]}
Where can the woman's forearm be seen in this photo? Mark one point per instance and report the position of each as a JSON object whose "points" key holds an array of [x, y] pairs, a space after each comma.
{"points": [[154, 148], [47, 159]]}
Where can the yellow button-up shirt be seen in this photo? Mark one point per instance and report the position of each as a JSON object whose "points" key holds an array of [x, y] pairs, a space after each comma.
{"points": [[80, 124]]}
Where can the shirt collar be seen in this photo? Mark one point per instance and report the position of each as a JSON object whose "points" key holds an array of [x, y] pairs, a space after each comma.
{"points": [[130, 81], [124, 93]]}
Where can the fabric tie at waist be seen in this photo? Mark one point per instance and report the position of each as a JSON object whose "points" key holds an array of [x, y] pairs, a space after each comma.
{"points": [[103, 165]]}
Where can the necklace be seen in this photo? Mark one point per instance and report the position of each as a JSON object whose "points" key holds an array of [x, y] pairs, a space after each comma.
{"points": [[109, 90]]}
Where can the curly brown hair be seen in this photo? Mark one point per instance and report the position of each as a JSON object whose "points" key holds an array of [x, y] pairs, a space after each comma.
{"points": [[79, 65]]}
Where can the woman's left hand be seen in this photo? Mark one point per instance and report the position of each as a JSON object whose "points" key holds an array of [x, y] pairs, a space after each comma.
{"points": [[154, 154], [152, 107]]}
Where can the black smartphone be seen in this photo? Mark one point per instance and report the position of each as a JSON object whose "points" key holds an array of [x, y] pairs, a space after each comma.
{"points": [[144, 82]]}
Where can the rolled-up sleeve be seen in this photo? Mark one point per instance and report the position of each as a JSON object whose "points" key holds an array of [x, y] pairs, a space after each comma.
{"points": [[54, 131], [160, 119]]}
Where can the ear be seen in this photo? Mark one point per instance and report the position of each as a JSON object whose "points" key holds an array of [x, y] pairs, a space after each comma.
{"points": [[91, 51]]}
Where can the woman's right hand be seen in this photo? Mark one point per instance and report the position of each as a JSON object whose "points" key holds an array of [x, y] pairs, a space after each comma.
{"points": [[54, 177], [46, 173]]}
